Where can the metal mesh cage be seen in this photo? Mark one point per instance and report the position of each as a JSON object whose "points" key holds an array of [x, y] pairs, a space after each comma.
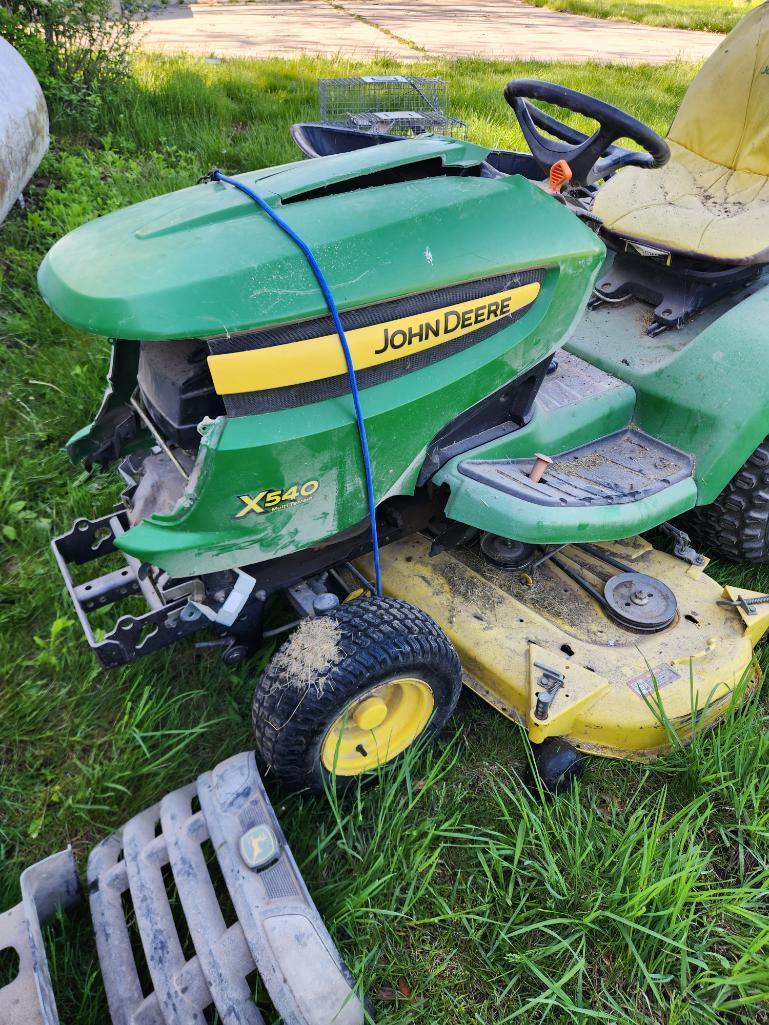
{"points": [[388, 104]]}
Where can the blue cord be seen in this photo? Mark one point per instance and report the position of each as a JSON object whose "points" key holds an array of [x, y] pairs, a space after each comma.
{"points": [[217, 175]]}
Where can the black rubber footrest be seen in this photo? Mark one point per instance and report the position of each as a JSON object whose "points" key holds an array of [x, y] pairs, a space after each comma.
{"points": [[620, 468]]}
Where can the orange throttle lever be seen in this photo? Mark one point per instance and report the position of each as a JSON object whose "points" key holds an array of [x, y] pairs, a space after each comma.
{"points": [[560, 174]]}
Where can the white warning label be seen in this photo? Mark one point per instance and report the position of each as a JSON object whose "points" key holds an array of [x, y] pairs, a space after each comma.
{"points": [[661, 675]]}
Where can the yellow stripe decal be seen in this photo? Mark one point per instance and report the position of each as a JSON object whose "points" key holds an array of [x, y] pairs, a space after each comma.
{"points": [[314, 359]]}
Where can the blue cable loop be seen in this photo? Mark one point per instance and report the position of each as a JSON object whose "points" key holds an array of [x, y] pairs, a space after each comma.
{"points": [[217, 175]]}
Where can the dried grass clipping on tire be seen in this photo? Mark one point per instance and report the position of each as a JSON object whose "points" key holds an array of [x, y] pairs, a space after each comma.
{"points": [[309, 654]]}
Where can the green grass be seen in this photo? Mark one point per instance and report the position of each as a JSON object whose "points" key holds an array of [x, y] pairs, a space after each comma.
{"points": [[639, 899], [705, 15]]}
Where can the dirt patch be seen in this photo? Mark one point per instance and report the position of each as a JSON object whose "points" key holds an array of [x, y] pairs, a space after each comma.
{"points": [[309, 654], [665, 465], [469, 590], [547, 594], [552, 594], [591, 461]]}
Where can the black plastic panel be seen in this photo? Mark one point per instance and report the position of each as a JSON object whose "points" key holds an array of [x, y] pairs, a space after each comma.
{"points": [[316, 140], [177, 389]]}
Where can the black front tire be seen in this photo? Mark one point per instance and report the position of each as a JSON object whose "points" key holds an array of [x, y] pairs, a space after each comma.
{"points": [[736, 525], [363, 646]]}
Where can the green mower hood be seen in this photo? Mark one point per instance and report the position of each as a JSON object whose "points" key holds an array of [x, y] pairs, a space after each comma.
{"points": [[383, 222], [454, 282]]}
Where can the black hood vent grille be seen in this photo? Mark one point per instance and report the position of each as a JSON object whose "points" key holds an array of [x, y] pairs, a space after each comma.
{"points": [[247, 403]]}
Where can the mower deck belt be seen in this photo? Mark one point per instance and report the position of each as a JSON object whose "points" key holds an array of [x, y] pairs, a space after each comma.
{"points": [[655, 610], [620, 468]]}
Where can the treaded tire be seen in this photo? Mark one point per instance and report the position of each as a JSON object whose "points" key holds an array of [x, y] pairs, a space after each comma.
{"points": [[378, 639], [736, 525]]}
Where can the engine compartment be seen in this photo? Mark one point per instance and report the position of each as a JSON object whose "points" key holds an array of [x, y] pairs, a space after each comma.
{"points": [[176, 388]]}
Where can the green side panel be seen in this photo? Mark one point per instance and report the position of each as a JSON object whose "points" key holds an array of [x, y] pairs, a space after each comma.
{"points": [[97, 437], [557, 431], [206, 261], [702, 389], [244, 456]]}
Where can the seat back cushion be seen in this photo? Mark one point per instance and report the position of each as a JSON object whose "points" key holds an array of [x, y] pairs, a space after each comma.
{"points": [[724, 116]]}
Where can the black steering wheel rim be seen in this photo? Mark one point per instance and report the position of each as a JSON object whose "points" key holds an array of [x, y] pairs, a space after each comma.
{"points": [[590, 157]]}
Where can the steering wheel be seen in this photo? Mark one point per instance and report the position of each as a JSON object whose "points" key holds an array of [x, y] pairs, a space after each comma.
{"points": [[590, 157]]}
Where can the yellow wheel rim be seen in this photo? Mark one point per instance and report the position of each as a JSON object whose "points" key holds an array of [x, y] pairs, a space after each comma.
{"points": [[377, 726]]}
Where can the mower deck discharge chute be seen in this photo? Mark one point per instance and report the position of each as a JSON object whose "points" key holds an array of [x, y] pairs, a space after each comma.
{"points": [[221, 841], [509, 406]]}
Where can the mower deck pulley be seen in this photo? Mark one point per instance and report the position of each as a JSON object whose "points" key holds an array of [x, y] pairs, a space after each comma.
{"points": [[639, 602], [506, 553]]}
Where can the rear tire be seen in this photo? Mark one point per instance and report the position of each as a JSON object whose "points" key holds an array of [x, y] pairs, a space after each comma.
{"points": [[736, 525], [352, 690]]}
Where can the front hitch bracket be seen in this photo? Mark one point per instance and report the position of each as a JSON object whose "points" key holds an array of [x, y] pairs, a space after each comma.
{"points": [[132, 635]]}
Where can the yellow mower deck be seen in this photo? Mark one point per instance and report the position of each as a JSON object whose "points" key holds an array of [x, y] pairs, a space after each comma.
{"points": [[615, 680]]}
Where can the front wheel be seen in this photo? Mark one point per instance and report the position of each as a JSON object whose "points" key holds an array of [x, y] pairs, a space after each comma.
{"points": [[353, 690], [736, 525]]}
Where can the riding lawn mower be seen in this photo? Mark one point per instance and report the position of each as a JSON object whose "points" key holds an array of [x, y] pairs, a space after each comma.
{"points": [[435, 394]]}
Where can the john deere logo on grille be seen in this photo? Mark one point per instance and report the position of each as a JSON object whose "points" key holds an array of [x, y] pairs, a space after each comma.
{"points": [[314, 359], [444, 324], [258, 846]]}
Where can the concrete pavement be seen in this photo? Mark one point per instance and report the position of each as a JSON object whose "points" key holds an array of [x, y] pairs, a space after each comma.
{"points": [[413, 29], [273, 28]]}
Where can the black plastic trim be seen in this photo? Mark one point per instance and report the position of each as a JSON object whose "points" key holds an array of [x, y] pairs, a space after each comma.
{"points": [[500, 413], [249, 403]]}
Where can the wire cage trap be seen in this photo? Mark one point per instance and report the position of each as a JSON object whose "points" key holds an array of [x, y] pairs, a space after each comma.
{"points": [[389, 104]]}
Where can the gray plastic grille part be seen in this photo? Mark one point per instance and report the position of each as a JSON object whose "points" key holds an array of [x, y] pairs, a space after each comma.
{"points": [[278, 929], [182, 923], [52, 883]]}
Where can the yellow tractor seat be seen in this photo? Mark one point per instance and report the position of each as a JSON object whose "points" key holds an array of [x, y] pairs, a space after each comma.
{"points": [[711, 200]]}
